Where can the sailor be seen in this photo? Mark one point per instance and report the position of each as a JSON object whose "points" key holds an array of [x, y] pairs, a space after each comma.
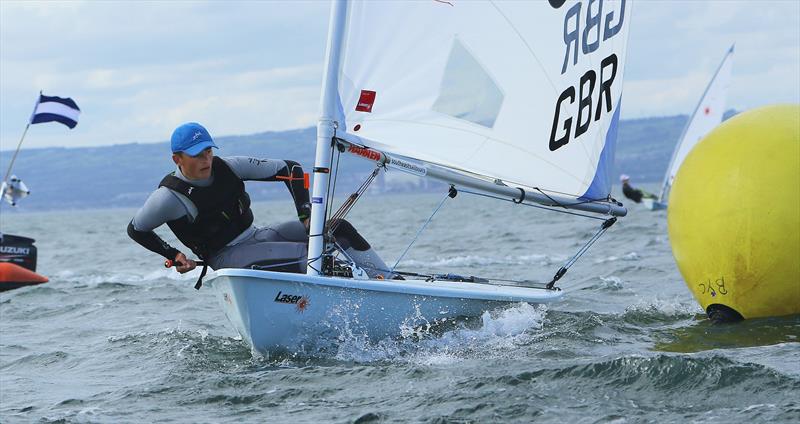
{"points": [[632, 193], [205, 204]]}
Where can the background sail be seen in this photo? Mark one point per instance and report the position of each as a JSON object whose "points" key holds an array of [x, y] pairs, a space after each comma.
{"points": [[706, 116], [527, 92]]}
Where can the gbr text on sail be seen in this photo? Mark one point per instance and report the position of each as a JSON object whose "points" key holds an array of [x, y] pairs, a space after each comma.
{"points": [[587, 25]]}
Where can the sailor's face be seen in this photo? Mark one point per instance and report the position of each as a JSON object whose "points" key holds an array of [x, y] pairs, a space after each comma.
{"points": [[195, 167]]}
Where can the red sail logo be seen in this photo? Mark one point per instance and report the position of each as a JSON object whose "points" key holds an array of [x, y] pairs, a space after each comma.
{"points": [[364, 152], [366, 101]]}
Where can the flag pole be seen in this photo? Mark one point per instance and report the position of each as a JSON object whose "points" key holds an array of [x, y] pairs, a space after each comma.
{"points": [[13, 158]]}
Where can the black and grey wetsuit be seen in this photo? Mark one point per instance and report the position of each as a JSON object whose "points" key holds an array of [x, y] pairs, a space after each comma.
{"points": [[220, 229], [632, 193], [213, 218], [636, 194]]}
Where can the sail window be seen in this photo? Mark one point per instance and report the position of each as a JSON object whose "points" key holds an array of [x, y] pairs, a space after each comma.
{"points": [[467, 91]]}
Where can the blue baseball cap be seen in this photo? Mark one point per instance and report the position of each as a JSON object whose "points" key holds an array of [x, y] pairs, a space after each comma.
{"points": [[191, 138]]}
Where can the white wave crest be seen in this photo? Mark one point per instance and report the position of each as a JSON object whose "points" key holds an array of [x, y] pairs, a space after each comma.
{"points": [[498, 332]]}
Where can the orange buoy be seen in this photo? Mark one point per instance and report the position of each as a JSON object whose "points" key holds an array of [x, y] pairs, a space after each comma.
{"points": [[14, 276]]}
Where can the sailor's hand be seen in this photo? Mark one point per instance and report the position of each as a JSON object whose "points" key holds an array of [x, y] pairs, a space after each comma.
{"points": [[184, 265], [307, 224]]}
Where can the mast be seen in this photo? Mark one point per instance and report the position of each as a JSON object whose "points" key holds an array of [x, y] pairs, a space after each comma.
{"points": [[326, 129], [681, 140]]}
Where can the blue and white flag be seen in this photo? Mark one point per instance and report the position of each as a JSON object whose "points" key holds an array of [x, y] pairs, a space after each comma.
{"points": [[51, 108]]}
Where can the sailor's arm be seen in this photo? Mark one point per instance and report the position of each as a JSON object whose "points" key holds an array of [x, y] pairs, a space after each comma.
{"points": [[152, 242], [160, 207], [288, 171]]}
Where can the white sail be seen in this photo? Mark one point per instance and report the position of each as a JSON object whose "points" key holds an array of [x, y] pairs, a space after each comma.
{"points": [[527, 92], [707, 115]]}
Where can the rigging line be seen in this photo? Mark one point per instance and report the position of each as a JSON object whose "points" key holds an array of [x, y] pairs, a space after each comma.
{"points": [[329, 230], [328, 189], [348, 204], [533, 206], [333, 175], [564, 205], [582, 250], [262, 267], [585, 247], [449, 194], [505, 280], [429, 276], [332, 215], [609, 198], [351, 200], [563, 270], [362, 266]]}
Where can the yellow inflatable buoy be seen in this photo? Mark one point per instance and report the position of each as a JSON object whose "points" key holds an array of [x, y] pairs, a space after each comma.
{"points": [[734, 216]]}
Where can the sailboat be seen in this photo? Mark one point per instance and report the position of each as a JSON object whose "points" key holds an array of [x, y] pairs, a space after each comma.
{"points": [[17, 253], [706, 116], [518, 101]]}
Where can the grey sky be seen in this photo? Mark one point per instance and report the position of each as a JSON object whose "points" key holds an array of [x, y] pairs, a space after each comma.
{"points": [[139, 68]]}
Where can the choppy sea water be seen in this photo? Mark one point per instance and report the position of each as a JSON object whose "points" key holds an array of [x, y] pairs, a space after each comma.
{"points": [[115, 337]]}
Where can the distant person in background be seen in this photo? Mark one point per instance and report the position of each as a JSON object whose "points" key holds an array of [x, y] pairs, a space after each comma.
{"points": [[632, 193], [205, 204]]}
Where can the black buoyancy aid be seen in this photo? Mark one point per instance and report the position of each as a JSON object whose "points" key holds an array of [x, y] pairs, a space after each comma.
{"points": [[223, 210]]}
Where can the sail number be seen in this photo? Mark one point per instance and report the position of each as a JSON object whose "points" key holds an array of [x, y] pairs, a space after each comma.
{"points": [[592, 85]]}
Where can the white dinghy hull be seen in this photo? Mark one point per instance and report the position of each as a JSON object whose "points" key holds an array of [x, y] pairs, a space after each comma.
{"points": [[282, 312]]}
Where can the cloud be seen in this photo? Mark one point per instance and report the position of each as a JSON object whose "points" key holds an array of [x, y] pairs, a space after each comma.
{"points": [[676, 46], [137, 69]]}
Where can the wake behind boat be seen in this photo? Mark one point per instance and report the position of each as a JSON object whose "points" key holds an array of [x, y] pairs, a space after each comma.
{"points": [[526, 114]]}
